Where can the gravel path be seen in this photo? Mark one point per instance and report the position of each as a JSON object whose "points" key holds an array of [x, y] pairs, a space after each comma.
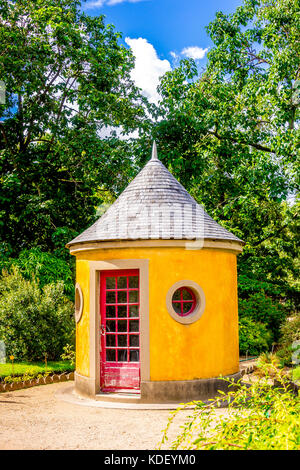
{"points": [[35, 418]]}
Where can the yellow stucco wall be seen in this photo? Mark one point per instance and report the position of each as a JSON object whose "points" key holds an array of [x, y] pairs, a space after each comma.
{"points": [[206, 348], [83, 327]]}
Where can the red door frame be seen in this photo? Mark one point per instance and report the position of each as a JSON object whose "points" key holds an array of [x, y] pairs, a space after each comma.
{"points": [[117, 370]]}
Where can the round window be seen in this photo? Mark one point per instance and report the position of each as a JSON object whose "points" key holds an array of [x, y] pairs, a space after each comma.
{"points": [[184, 301], [78, 302]]}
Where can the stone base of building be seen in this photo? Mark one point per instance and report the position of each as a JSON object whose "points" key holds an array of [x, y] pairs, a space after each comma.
{"points": [[169, 391]]}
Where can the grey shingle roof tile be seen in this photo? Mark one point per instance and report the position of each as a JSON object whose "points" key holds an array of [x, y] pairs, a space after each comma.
{"points": [[154, 206]]}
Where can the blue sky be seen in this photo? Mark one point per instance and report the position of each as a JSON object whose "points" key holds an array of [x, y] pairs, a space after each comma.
{"points": [[160, 32], [169, 25]]}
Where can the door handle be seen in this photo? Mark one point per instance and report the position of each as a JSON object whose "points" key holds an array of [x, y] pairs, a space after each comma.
{"points": [[102, 330]]}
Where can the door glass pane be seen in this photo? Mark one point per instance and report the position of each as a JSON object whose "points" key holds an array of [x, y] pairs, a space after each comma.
{"points": [[110, 340], [122, 325], [110, 297], [122, 297], [134, 340], [122, 340], [133, 356], [133, 325], [122, 282], [111, 311], [110, 283], [110, 355], [122, 355], [122, 311], [133, 310], [133, 282], [110, 325], [133, 296]]}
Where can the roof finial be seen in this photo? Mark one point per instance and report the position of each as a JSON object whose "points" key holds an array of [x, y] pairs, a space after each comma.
{"points": [[154, 151]]}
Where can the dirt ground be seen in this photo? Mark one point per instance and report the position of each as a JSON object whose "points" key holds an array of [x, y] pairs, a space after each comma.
{"points": [[36, 418]]}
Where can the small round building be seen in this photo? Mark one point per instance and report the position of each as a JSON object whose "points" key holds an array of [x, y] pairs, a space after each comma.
{"points": [[156, 296]]}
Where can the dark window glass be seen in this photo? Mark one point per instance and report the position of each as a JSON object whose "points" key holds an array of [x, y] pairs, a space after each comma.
{"points": [[122, 297], [110, 283], [110, 340], [122, 325], [122, 355], [133, 296], [177, 307], [111, 311], [122, 340], [134, 340], [186, 295], [133, 282], [110, 326], [133, 310], [133, 325], [122, 282], [110, 355], [122, 311], [110, 297], [186, 307], [176, 295], [133, 356]]}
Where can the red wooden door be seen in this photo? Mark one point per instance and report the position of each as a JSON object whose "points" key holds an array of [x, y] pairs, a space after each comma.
{"points": [[120, 330]]}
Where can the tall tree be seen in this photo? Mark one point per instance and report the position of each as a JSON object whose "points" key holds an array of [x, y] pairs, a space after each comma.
{"points": [[231, 135], [67, 78]]}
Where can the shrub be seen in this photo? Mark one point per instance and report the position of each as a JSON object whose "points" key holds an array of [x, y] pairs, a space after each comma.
{"points": [[69, 354], [290, 332], [268, 364], [34, 320], [259, 417], [260, 308], [254, 337]]}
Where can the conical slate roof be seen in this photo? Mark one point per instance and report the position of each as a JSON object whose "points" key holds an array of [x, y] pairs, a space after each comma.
{"points": [[154, 206]]}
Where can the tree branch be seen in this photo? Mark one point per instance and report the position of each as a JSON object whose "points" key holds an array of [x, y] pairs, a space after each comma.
{"points": [[256, 146]]}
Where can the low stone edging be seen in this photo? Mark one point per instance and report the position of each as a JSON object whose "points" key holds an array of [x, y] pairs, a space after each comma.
{"points": [[247, 369], [49, 379]]}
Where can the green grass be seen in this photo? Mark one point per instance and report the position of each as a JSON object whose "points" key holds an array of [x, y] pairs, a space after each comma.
{"points": [[296, 374], [32, 368]]}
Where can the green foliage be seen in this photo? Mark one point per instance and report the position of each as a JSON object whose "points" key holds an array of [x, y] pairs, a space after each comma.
{"points": [[254, 337], [268, 364], [231, 136], [260, 308], [27, 376], [296, 375], [45, 267], [69, 354], [259, 417], [290, 333], [67, 78], [22, 369], [34, 321]]}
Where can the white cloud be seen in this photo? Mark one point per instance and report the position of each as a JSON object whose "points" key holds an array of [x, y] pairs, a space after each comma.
{"points": [[148, 67], [95, 4], [194, 52], [100, 3]]}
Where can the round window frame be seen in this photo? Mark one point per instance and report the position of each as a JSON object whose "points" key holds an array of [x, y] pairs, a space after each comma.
{"points": [[200, 302], [192, 301], [78, 310]]}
